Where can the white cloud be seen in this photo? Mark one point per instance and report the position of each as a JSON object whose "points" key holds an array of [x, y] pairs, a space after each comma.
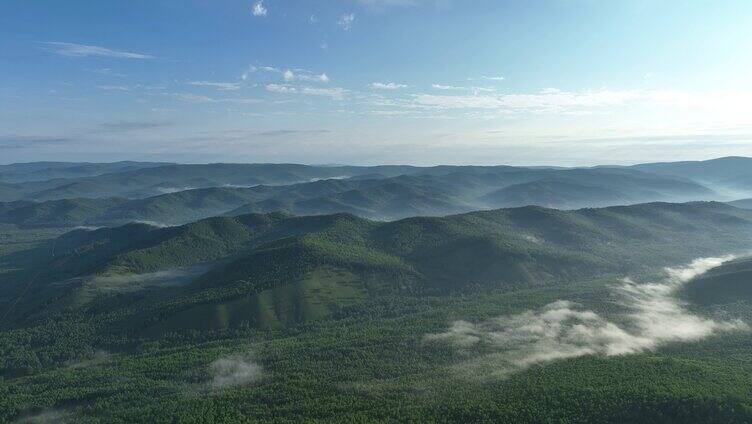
{"points": [[281, 88], [81, 50], [198, 98], [193, 98], [488, 78], [564, 329], [288, 75], [334, 92], [346, 21], [387, 86], [107, 71], [225, 86], [114, 87], [545, 101], [314, 78], [234, 371], [259, 9], [447, 87]]}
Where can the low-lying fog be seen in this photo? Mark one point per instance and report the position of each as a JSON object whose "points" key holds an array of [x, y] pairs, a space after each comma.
{"points": [[564, 329]]}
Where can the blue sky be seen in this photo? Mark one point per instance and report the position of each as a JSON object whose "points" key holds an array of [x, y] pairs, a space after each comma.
{"points": [[569, 82]]}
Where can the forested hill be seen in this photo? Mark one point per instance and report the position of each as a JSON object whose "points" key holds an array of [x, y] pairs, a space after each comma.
{"points": [[316, 301], [506, 248], [429, 194], [621, 236]]}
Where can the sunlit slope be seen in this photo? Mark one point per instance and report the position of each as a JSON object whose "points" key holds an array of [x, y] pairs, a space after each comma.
{"points": [[524, 245], [244, 256]]}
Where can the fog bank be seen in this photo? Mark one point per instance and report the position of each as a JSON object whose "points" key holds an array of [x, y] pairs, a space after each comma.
{"points": [[565, 329]]}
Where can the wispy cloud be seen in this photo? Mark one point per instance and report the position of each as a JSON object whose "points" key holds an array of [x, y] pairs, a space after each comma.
{"points": [[550, 100], [387, 85], [46, 416], [107, 71], [346, 21], [259, 9], [447, 87], [197, 98], [487, 78], [281, 88], [234, 371], [193, 98], [334, 92], [302, 75], [114, 87], [29, 141], [124, 126], [563, 329], [277, 133], [82, 50], [288, 75], [224, 86]]}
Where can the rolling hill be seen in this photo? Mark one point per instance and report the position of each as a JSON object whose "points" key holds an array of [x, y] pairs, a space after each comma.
{"points": [[709, 170], [730, 283], [339, 309], [465, 182], [500, 249], [382, 198], [43, 171], [729, 175]]}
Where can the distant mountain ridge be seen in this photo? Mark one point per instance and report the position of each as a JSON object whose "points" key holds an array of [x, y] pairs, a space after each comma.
{"points": [[382, 198], [42, 171]]}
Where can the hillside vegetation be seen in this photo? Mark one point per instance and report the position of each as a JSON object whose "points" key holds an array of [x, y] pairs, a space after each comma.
{"points": [[430, 194]]}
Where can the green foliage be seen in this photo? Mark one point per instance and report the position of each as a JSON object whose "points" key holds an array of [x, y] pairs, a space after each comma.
{"points": [[334, 311]]}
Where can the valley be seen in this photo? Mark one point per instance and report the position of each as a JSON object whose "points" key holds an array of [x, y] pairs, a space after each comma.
{"points": [[376, 291]]}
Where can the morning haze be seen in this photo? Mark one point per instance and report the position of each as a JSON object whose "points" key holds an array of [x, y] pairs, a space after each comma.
{"points": [[375, 211]]}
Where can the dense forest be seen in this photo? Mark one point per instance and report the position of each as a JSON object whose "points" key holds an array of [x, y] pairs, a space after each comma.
{"points": [[273, 317]]}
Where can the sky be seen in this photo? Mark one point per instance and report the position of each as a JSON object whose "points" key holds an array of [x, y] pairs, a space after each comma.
{"points": [[424, 82]]}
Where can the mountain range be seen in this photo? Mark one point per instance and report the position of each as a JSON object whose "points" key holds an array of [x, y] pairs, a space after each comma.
{"points": [[134, 292], [169, 194], [506, 248]]}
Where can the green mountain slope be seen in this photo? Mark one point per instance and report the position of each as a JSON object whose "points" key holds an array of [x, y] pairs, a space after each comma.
{"points": [[312, 315], [429, 191], [145, 180], [555, 194], [56, 213], [502, 249], [730, 283]]}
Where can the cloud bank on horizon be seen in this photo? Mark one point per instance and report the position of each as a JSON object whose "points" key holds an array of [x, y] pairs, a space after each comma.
{"points": [[392, 81]]}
